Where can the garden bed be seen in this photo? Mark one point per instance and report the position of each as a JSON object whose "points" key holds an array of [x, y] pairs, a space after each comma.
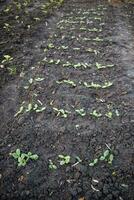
{"points": [[69, 92]]}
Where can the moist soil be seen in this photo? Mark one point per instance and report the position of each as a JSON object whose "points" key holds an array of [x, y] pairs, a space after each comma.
{"points": [[81, 33]]}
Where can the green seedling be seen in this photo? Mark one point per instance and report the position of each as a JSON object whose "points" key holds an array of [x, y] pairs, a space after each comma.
{"points": [[33, 81], [67, 82], [107, 156], [95, 114], [62, 112], [81, 112], [52, 166], [97, 39], [94, 162], [78, 65], [83, 28], [78, 160], [57, 61], [38, 108], [96, 52], [92, 85], [97, 18], [106, 85], [23, 158], [109, 115], [12, 70], [64, 160], [100, 66], [76, 49], [67, 64], [7, 27], [30, 107], [7, 59], [117, 113], [39, 79], [64, 47], [97, 86], [36, 19], [50, 46], [94, 30]]}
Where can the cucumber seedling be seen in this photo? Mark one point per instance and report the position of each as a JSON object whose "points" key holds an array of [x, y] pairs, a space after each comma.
{"points": [[23, 158], [64, 160], [81, 112], [67, 82], [95, 114], [100, 66], [62, 112], [52, 166]]}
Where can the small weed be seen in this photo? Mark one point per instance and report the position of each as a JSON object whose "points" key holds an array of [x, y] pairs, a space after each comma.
{"points": [[64, 160], [23, 158]]}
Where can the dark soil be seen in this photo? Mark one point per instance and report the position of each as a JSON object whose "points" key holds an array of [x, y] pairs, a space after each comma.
{"points": [[49, 135]]}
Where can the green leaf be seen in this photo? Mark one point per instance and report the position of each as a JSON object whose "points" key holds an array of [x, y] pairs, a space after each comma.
{"points": [[14, 155], [102, 158], [106, 153], [67, 159], [30, 80], [19, 112], [40, 110], [94, 162], [18, 152], [111, 157], [62, 162], [60, 156], [29, 153], [34, 157]]}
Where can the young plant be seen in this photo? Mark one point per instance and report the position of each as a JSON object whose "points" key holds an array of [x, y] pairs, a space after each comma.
{"points": [[23, 158], [109, 115], [106, 84], [81, 112], [7, 59], [62, 112], [97, 39], [107, 156], [52, 166], [100, 66], [12, 70], [64, 160], [67, 82], [50, 46], [94, 162], [95, 114]]}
